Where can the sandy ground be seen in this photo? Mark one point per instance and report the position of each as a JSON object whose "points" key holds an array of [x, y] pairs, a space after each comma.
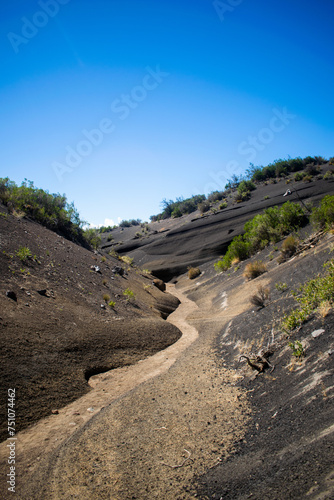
{"points": [[143, 431]]}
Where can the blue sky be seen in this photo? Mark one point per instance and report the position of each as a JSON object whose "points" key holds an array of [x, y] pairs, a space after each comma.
{"points": [[121, 103]]}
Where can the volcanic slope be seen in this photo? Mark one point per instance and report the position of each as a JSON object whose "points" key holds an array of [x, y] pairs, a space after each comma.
{"points": [[66, 318], [209, 426], [172, 245]]}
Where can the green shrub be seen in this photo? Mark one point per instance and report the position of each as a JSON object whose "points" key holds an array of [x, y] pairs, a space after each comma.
{"points": [[271, 226], [216, 196], [254, 269], [307, 178], [176, 213], [329, 175], [106, 297], [204, 206], [242, 196], [246, 187], [298, 176], [112, 304], [50, 210], [322, 217], [92, 237], [193, 272], [297, 349], [289, 247], [238, 249], [127, 260], [313, 294], [24, 253], [223, 205], [129, 294], [281, 287]]}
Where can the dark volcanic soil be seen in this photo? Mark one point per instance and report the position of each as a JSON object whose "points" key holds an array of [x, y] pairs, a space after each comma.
{"points": [[287, 452], [174, 244], [51, 344], [193, 421]]}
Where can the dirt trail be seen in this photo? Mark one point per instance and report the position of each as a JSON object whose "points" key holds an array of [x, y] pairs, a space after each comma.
{"points": [[168, 410]]}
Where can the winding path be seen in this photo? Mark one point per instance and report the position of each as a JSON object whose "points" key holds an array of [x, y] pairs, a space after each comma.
{"points": [[140, 426]]}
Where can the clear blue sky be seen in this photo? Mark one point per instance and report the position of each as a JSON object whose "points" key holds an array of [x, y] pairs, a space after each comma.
{"points": [[121, 103]]}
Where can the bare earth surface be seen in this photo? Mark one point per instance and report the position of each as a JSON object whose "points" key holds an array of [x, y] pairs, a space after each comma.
{"points": [[163, 416], [164, 420]]}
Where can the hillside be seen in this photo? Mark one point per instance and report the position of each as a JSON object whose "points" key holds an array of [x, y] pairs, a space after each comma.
{"points": [[60, 329], [172, 245], [126, 391]]}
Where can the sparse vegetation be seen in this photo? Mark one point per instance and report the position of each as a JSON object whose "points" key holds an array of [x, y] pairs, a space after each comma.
{"points": [[329, 175], [324, 308], [204, 206], [127, 260], [114, 254], [106, 297], [281, 287], [260, 297], [311, 295], [297, 349], [92, 237], [193, 272], [128, 294], [50, 210], [322, 217], [264, 228], [254, 269], [288, 248], [129, 223], [24, 254], [111, 304], [179, 207]]}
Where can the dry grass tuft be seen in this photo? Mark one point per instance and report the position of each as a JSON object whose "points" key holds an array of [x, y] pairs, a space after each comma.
{"points": [[254, 269], [324, 308], [193, 272], [260, 297]]}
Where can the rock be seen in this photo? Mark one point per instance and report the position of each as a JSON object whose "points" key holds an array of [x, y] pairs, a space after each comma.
{"points": [[118, 270], [316, 333], [42, 292], [103, 306], [91, 410], [55, 412], [11, 295], [96, 269], [159, 284]]}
